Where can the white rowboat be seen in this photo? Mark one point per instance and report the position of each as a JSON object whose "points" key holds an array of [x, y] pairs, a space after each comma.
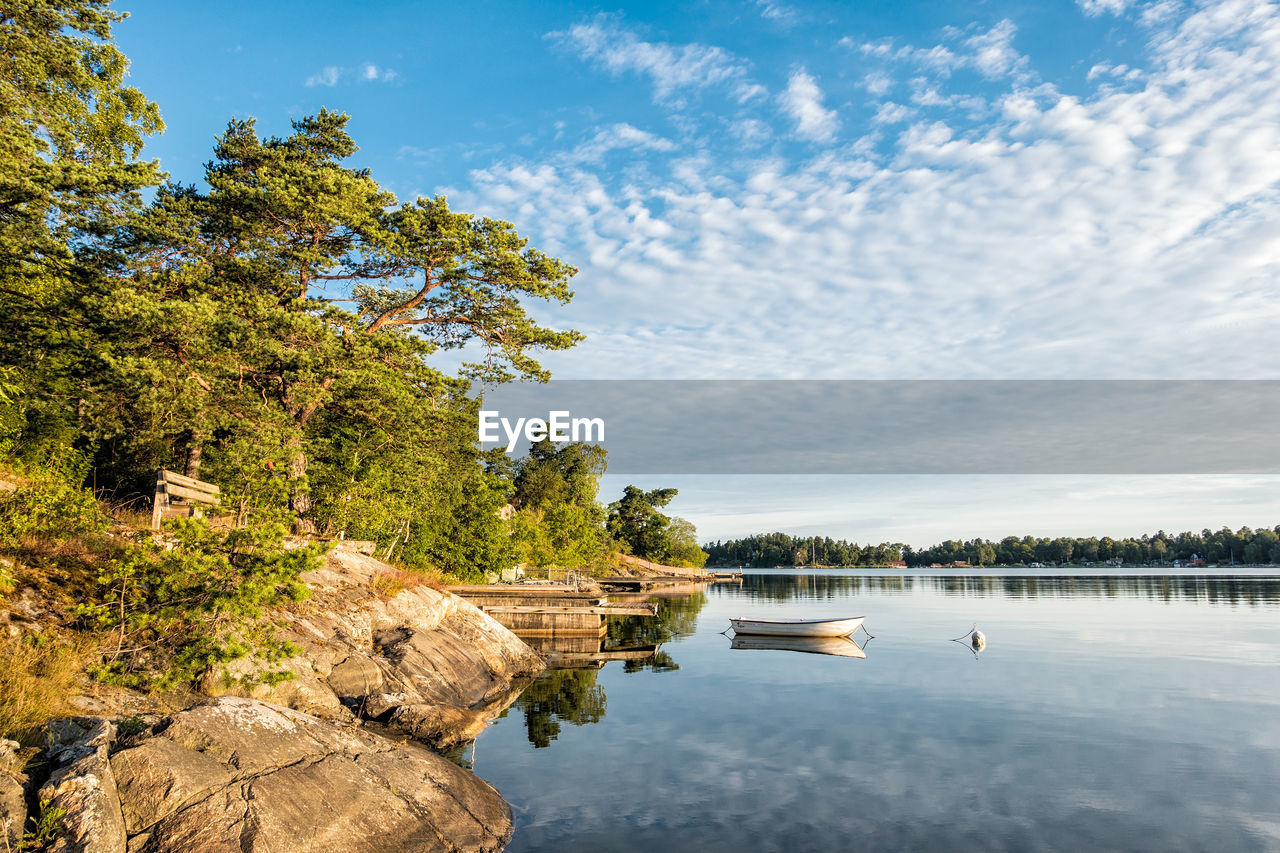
{"points": [[798, 627]]}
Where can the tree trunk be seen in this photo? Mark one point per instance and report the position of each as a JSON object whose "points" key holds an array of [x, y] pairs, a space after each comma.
{"points": [[195, 453], [299, 491]]}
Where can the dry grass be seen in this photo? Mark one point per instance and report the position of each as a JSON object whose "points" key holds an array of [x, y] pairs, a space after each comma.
{"points": [[391, 583], [59, 569], [37, 674]]}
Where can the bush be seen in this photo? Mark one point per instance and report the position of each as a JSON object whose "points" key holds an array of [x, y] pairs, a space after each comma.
{"points": [[175, 610], [48, 507]]}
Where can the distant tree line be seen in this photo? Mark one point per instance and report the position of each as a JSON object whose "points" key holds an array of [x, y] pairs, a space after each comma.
{"points": [[1225, 546], [780, 549]]}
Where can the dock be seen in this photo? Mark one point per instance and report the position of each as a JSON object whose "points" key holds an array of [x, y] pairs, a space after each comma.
{"points": [[652, 584], [546, 610], [586, 652]]}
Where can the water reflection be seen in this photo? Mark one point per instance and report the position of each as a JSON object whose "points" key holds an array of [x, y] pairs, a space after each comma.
{"points": [[839, 646], [560, 696], [569, 692], [1151, 722], [1236, 590], [676, 617]]}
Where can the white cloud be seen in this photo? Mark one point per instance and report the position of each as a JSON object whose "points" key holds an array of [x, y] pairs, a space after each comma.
{"points": [[1126, 231], [618, 136], [1093, 8], [890, 113], [991, 52], [776, 12], [331, 75], [802, 100], [673, 70], [326, 77], [878, 83]]}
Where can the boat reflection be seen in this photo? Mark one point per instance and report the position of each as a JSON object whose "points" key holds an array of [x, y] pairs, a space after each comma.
{"points": [[840, 646]]}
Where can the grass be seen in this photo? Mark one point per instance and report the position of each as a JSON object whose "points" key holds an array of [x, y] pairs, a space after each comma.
{"points": [[37, 674], [391, 583]]}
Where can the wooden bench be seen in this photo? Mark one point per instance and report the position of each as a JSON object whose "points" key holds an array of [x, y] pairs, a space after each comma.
{"points": [[170, 485]]}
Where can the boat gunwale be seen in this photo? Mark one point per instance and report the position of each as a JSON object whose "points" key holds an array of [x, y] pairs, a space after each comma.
{"points": [[774, 621]]}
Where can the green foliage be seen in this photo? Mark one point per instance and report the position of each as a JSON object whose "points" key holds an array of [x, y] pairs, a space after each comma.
{"points": [[222, 333], [210, 332], [682, 545], [131, 726], [635, 521], [558, 521], [1222, 546], [69, 128], [180, 608], [462, 532], [46, 827], [48, 506]]}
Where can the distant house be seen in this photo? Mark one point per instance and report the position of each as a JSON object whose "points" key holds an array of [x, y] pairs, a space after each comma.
{"points": [[959, 563], [897, 564]]}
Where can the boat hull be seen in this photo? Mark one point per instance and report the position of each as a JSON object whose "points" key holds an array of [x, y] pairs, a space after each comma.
{"points": [[797, 627]]}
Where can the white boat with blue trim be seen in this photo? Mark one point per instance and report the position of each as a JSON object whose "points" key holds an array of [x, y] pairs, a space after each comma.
{"points": [[797, 627]]}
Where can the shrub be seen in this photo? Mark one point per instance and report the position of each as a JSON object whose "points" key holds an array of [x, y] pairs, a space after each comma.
{"points": [[48, 507], [175, 610]]}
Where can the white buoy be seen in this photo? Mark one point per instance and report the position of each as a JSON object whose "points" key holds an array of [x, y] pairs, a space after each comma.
{"points": [[976, 639]]}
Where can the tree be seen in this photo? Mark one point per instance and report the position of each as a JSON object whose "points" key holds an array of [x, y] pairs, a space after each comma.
{"points": [[218, 310], [683, 549], [70, 129], [70, 132], [635, 521], [558, 520]]}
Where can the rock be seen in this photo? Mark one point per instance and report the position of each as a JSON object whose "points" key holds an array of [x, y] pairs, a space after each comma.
{"points": [[13, 805], [13, 811], [83, 787], [368, 654], [236, 774], [440, 725]]}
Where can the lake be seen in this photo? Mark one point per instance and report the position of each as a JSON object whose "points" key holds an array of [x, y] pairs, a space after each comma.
{"points": [[1137, 712]]}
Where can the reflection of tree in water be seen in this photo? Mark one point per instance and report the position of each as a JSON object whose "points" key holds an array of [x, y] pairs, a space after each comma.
{"points": [[1250, 591], [660, 662], [573, 696], [677, 617], [561, 695]]}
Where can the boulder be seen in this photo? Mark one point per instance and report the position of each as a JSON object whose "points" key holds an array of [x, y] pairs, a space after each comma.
{"points": [[236, 774], [82, 787], [449, 664]]}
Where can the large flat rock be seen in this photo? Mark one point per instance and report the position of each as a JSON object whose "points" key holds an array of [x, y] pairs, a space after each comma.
{"points": [[237, 774]]}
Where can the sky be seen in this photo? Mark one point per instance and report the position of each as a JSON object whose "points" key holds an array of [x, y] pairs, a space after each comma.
{"points": [[930, 190]]}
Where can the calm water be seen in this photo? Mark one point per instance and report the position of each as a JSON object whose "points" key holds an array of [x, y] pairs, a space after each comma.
{"points": [[1117, 713]]}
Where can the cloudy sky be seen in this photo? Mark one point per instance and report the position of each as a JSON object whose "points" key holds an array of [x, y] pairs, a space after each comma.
{"points": [[822, 190]]}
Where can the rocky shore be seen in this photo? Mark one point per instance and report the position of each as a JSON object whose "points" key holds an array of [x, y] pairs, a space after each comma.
{"points": [[288, 766]]}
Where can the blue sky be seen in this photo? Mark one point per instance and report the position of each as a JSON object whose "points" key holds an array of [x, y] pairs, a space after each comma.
{"points": [[821, 190]]}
